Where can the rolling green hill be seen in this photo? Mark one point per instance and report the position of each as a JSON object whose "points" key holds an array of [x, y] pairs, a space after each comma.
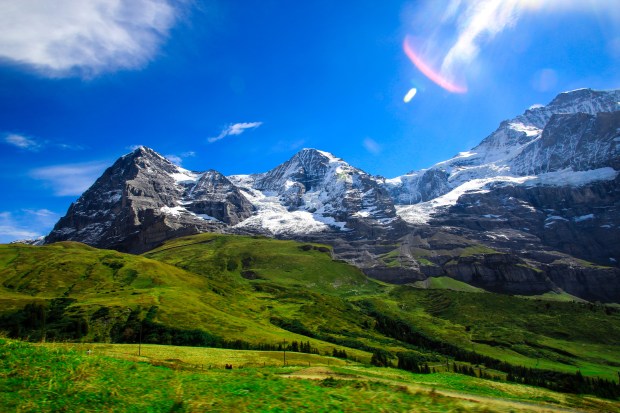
{"points": [[64, 377], [258, 293]]}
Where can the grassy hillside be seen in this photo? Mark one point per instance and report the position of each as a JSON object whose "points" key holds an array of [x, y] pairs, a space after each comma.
{"points": [[258, 293], [51, 378]]}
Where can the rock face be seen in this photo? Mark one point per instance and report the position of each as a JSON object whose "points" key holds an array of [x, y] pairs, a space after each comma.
{"points": [[577, 141], [535, 207], [316, 192], [519, 147], [143, 200], [215, 196]]}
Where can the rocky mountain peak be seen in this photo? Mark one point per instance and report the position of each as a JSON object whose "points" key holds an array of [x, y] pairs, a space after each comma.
{"points": [[539, 192], [309, 156], [528, 126], [586, 101], [308, 168]]}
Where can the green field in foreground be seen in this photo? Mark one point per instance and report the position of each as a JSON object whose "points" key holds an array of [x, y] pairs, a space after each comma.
{"points": [[214, 290], [53, 377]]}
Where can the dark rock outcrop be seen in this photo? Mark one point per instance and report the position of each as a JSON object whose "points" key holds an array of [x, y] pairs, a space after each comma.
{"points": [[133, 207]]}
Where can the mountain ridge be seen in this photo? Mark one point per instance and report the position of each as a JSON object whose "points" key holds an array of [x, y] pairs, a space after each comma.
{"points": [[500, 197]]}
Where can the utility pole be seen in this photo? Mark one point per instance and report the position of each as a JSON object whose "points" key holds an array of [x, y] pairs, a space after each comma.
{"points": [[284, 348]]}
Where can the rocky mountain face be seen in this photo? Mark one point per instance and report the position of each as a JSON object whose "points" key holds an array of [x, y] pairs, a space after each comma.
{"points": [[513, 148], [144, 199], [315, 192], [533, 208]]}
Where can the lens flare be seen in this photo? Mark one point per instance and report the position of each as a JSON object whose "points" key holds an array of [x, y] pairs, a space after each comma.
{"points": [[436, 77], [410, 95]]}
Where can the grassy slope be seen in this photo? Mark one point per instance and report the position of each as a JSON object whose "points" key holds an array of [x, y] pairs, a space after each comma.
{"points": [[563, 336], [107, 278], [234, 286], [46, 378]]}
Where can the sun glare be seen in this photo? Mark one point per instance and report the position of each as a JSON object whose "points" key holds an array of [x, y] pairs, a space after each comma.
{"points": [[412, 92], [429, 72]]}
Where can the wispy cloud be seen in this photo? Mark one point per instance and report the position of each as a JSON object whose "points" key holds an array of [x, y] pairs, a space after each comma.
{"points": [[449, 37], [33, 144], [68, 37], [26, 224], [69, 179], [22, 142], [175, 159], [235, 129], [372, 146], [69, 147], [178, 159], [478, 21]]}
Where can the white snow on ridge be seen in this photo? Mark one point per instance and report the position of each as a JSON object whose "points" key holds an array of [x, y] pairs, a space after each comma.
{"points": [[275, 217], [421, 213], [177, 211], [529, 130], [466, 154], [185, 176], [573, 178], [328, 155]]}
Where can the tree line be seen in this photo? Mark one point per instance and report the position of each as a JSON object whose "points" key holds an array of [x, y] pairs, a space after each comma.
{"points": [[564, 382]]}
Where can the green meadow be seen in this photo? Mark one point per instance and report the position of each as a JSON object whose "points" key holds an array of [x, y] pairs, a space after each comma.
{"points": [[63, 377], [246, 299]]}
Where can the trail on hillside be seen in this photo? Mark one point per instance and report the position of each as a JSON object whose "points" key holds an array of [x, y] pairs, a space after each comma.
{"points": [[321, 373]]}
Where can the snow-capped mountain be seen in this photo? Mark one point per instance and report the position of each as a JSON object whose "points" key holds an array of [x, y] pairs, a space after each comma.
{"points": [[144, 199], [518, 213], [315, 191], [553, 144]]}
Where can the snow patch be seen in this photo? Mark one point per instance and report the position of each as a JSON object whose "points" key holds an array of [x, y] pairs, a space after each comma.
{"points": [[555, 218], [465, 154], [572, 178], [583, 218], [185, 176], [275, 218], [421, 213], [529, 130], [174, 211], [206, 217]]}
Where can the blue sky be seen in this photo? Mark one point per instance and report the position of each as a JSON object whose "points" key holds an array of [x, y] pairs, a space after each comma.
{"points": [[240, 86]]}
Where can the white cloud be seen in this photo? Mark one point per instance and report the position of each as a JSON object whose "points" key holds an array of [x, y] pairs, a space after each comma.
{"points": [[450, 36], [478, 21], [235, 129], [26, 224], [175, 159], [69, 147], [70, 179], [85, 37], [43, 216], [34, 145], [178, 159], [372, 146], [22, 142]]}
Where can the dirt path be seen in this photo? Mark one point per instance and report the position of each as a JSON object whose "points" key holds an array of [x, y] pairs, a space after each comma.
{"points": [[321, 373]]}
